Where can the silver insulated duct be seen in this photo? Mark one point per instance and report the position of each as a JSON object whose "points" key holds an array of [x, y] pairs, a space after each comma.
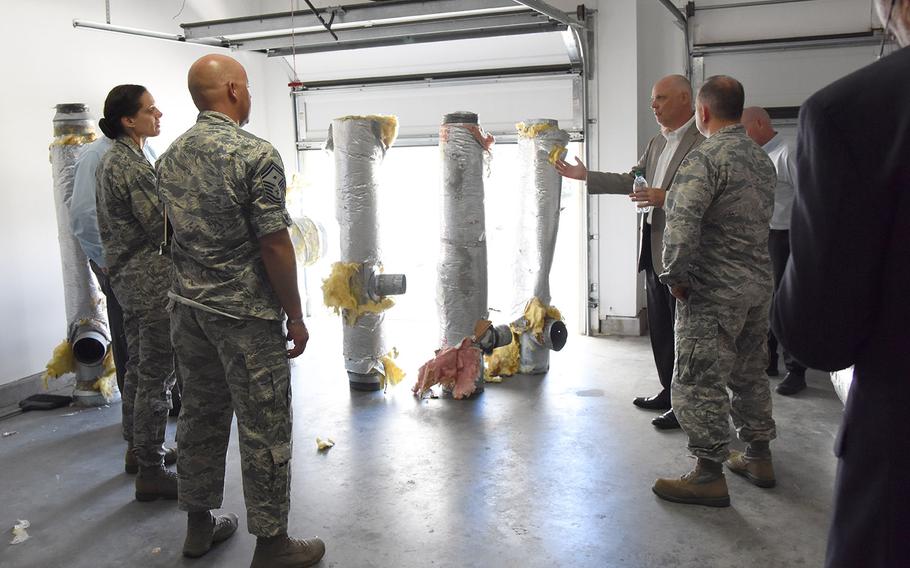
{"points": [[540, 143], [461, 290], [87, 330], [359, 145]]}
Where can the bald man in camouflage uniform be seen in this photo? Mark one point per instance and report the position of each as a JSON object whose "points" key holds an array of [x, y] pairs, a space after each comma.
{"points": [[224, 190], [131, 226], [717, 265]]}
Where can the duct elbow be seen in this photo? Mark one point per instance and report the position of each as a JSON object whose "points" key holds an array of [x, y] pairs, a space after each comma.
{"points": [[555, 334], [388, 285], [89, 346], [494, 337]]}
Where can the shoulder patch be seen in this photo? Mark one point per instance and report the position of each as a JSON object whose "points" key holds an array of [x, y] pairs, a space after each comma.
{"points": [[273, 183]]}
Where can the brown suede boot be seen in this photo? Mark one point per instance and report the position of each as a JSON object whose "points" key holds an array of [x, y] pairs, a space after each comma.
{"points": [[281, 551], [131, 464], [155, 483], [705, 485], [204, 530], [758, 470]]}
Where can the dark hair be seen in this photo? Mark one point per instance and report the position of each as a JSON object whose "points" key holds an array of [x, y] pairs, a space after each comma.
{"points": [[724, 97], [123, 100]]}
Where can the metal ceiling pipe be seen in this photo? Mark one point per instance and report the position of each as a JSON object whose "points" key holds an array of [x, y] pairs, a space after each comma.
{"points": [[359, 148], [86, 319], [105, 27], [540, 143]]}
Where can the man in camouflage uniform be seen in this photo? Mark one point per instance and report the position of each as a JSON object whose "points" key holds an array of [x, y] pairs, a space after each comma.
{"points": [[131, 227], [235, 279], [717, 266]]}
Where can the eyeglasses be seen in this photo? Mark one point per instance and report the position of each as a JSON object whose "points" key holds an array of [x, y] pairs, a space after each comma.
{"points": [[881, 49]]}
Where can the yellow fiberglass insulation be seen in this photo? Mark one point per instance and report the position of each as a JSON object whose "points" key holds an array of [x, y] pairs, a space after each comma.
{"points": [[533, 130], [74, 139], [503, 362], [557, 153], [107, 382], [341, 290], [61, 363], [388, 126], [536, 313], [392, 374]]}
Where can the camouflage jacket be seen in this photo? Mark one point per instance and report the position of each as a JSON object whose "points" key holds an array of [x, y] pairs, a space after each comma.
{"points": [[131, 225], [716, 239], [223, 189]]}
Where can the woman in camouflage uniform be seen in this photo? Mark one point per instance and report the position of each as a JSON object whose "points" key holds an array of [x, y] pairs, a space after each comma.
{"points": [[132, 225]]}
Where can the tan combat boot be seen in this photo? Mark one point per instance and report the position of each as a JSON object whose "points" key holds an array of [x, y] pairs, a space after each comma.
{"points": [[155, 483], [281, 551], [204, 530], [758, 470], [705, 485], [131, 464]]}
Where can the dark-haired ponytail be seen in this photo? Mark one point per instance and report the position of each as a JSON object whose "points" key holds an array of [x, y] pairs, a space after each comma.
{"points": [[123, 100]]}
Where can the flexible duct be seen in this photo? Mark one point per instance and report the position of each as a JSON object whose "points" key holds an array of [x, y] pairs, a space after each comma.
{"points": [[359, 144], [87, 330], [540, 144], [461, 291]]}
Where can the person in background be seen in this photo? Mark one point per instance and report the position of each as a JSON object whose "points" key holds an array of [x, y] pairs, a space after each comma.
{"points": [[717, 266], [671, 101], [131, 226], [84, 224], [782, 151], [235, 281], [843, 300]]}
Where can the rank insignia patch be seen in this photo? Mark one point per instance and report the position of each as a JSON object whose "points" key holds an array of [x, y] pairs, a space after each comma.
{"points": [[273, 183]]}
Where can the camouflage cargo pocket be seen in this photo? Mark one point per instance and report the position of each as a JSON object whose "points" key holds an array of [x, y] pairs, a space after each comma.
{"points": [[264, 379], [696, 345]]}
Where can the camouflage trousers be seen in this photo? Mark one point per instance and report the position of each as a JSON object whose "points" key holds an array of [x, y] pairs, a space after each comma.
{"points": [[720, 347], [230, 366], [147, 384]]}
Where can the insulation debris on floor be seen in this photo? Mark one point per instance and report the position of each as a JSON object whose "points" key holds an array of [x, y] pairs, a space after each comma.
{"points": [[455, 368], [322, 445], [20, 535], [391, 373]]}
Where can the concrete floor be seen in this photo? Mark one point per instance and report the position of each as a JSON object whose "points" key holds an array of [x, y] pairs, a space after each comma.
{"points": [[536, 472]]}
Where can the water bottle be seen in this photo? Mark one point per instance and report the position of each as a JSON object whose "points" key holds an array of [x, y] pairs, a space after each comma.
{"points": [[639, 185]]}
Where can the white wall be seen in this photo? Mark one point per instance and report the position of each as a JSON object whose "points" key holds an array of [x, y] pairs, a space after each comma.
{"points": [[49, 62]]}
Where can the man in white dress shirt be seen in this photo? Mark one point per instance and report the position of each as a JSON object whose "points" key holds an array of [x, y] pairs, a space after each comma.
{"points": [[782, 151]]}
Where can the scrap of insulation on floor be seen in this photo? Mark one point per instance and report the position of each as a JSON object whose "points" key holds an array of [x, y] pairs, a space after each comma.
{"points": [[322, 445], [455, 368], [20, 535]]}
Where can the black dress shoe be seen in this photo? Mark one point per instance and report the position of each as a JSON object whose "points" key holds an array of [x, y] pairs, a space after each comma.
{"points": [[792, 384], [659, 402], [666, 421]]}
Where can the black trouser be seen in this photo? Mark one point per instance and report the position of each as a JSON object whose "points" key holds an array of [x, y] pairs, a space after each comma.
{"points": [[779, 249], [115, 324], [661, 314]]}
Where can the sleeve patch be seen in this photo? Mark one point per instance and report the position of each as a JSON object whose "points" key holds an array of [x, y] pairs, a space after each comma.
{"points": [[273, 183]]}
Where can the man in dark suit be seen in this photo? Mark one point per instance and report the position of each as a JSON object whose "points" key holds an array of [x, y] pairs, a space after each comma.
{"points": [[844, 296], [671, 101]]}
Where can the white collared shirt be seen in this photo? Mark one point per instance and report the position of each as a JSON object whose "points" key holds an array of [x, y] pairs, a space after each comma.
{"points": [[663, 162], [780, 150]]}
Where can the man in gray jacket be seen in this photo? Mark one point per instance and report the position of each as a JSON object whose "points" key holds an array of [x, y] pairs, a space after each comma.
{"points": [[671, 101]]}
